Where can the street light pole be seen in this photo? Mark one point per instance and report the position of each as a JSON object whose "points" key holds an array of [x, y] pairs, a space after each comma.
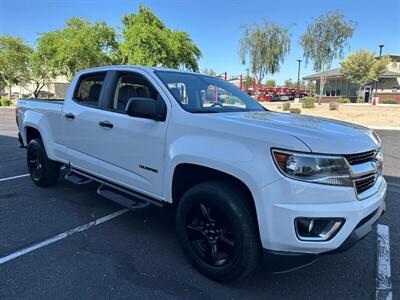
{"points": [[380, 50], [380, 55], [298, 78]]}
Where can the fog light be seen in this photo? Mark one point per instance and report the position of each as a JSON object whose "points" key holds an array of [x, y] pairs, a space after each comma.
{"points": [[317, 229]]}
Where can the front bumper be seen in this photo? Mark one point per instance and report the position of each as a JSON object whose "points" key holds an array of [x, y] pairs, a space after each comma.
{"points": [[282, 262], [281, 202]]}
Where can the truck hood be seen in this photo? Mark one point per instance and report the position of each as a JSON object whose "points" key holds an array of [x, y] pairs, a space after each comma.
{"points": [[321, 135]]}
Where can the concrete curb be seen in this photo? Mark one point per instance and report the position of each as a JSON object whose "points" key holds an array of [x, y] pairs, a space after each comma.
{"points": [[385, 128]]}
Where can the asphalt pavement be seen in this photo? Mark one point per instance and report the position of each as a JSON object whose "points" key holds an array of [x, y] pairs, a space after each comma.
{"points": [[137, 254]]}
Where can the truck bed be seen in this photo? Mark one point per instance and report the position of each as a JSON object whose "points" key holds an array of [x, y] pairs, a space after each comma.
{"points": [[56, 101], [49, 110]]}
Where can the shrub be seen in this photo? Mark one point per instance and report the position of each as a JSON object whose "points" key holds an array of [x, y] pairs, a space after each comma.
{"points": [[286, 106], [333, 106], [5, 102], [308, 102], [295, 110], [389, 101], [360, 100], [343, 100]]}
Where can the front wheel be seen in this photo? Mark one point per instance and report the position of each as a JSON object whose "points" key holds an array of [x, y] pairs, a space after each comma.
{"points": [[43, 171], [218, 231]]}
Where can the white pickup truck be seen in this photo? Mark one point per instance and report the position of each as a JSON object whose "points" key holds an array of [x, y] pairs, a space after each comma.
{"points": [[242, 179]]}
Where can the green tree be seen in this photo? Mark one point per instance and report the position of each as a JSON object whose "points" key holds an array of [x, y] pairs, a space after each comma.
{"points": [[14, 57], [310, 85], [325, 40], [289, 83], [248, 81], [39, 74], [362, 68], [80, 45], [270, 83], [147, 41], [264, 48], [2, 84], [210, 72]]}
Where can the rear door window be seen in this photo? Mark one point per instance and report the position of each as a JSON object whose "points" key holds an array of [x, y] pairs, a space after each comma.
{"points": [[89, 88]]}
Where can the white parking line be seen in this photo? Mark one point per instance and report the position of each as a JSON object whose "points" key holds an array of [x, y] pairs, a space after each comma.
{"points": [[61, 236], [383, 275], [14, 177]]}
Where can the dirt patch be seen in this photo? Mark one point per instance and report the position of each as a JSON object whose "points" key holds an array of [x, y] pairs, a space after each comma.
{"points": [[380, 117]]}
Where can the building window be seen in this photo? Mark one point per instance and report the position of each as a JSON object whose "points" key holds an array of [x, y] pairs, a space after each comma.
{"points": [[339, 87], [352, 90]]}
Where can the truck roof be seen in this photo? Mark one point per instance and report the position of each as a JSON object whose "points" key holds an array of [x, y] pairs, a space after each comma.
{"points": [[147, 68]]}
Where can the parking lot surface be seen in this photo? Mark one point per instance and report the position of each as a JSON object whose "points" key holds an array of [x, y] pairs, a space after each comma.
{"points": [[137, 254]]}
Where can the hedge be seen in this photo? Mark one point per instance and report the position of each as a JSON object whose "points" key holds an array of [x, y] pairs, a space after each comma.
{"points": [[295, 110], [5, 102], [286, 106], [308, 102], [333, 106], [343, 100], [389, 101]]}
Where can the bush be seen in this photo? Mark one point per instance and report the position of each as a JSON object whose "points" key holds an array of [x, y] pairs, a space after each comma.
{"points": [[5, 102], [389, 101], [308, 102], [295, 110], [343, 100], [286, 106], [333, 106], [360, 100]]}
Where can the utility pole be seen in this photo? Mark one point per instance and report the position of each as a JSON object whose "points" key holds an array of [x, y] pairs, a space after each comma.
{"points": [[380, 55], [298, 78]]}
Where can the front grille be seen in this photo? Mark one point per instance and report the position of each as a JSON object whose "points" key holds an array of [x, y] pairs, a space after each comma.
{"points": [[365, 182], [360, 158]]}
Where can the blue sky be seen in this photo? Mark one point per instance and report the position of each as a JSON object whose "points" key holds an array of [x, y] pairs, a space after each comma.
{"points": [[215, 26]]}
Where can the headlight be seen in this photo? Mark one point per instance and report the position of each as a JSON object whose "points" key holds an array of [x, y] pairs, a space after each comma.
{"points": [[379, 160], [325, 169]]}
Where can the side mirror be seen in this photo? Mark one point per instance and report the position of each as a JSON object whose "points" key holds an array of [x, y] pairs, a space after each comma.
{"points": [[147, 108]]}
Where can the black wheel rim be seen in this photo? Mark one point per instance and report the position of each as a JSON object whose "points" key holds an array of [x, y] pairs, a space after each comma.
{"points": [[35, 164], [210, 235]]}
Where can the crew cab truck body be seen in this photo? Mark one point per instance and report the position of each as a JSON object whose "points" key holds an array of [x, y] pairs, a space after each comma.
{"points": [[242, 178]]}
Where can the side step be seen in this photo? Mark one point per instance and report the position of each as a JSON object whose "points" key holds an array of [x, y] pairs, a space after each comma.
{"points": [[123, 198], [75, 178], [118, 194]]}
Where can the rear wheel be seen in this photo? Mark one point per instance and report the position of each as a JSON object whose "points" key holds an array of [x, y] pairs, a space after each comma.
{"points": [[217, 231], [43, 171]]}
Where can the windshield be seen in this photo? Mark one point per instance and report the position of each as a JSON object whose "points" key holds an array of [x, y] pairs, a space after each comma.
{"points": [[198, 93]]}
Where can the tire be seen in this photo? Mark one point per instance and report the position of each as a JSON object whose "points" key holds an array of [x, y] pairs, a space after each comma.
{"points": [[218, 231], [43, 171]]}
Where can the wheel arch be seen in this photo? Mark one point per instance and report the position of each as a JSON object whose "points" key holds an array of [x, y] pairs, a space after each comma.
{"points": [[31, 133], [186, 175]]}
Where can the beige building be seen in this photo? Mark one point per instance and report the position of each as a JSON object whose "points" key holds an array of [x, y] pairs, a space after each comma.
{"points": [[57, 89], [336, 86]]}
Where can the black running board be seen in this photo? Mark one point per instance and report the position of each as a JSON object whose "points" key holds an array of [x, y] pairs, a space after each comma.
{"points": [[121, 195], [123, 198], [75, 178]]}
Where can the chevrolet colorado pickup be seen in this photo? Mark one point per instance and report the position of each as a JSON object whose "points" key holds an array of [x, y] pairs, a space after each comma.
{"points": [[243, 180]]}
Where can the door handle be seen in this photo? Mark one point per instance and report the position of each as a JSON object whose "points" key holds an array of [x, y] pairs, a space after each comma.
{"points": [[107, 124], [69, 116]]}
